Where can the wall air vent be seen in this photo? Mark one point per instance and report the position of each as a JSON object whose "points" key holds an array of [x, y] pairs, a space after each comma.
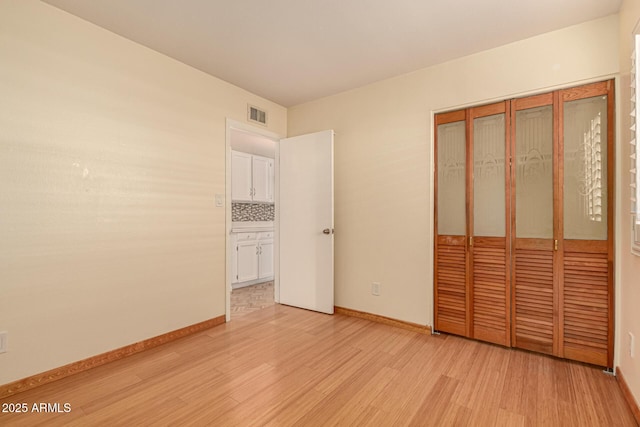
{"points": [[256, 115]]}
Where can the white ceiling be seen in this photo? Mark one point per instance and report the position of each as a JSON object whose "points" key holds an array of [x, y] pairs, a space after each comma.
{"points": [[293, 51]]}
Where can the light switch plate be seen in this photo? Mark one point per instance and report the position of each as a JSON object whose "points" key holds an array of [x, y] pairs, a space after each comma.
{"points": [[219, 200], [375, 288], [3, 341]]}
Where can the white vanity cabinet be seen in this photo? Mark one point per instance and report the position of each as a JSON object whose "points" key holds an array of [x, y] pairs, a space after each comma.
{"points": [[265, 255], [252, 178], [246, 257], [253, 257]]}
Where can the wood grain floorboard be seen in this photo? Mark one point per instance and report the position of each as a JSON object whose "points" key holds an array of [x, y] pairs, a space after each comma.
{"points": [[282, 366]]}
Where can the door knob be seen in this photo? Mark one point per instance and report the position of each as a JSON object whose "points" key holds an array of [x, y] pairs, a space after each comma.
{"points": [[327, 231]]}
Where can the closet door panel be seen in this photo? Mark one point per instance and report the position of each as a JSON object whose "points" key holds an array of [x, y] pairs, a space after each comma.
{"points": [[534, 324], [586, 285], [489, 270], [450, 272]]}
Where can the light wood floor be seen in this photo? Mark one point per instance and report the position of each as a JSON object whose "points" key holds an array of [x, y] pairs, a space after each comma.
{"points": [[285, 366]]}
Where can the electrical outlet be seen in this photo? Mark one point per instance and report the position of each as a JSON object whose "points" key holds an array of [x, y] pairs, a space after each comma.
{"points": [[632, 345], [3, 341], [375, 288]]}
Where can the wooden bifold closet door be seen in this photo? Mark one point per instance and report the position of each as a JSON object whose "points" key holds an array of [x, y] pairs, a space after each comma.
{"points": [[472, 240], [535, 223], [523, 221]]}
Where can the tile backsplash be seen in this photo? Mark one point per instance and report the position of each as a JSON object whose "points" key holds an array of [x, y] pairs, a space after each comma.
{"points": [[252, 211]]}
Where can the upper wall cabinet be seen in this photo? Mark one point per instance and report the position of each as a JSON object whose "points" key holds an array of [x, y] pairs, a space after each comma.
{"points": [[252, 178]]}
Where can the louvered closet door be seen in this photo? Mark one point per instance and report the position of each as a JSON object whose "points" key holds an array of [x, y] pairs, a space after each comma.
{"points": [[450, 269], [524, 210], [534, 260], [586, 245], [490, 210], [472, 294]]}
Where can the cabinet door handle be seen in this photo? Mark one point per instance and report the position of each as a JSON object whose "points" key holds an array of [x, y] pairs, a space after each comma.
{"points": [[470, 240], [555, 245]]}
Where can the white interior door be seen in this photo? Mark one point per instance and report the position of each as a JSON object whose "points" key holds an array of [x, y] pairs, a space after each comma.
{"points": [[306, 221]]}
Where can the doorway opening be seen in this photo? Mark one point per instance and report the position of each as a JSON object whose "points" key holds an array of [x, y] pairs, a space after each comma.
{"points": [[296, 185], [250, 219]]}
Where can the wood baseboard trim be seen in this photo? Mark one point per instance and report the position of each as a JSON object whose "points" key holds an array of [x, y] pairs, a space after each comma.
{"points": [[56, 374], [422, 329], [631, 401]]}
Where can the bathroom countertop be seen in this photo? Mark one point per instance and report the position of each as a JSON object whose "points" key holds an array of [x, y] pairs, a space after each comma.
{"points": [[244, 226]]}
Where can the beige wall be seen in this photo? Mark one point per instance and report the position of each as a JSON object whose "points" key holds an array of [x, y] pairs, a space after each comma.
{"points": [[383, 146], [628, 319], [110, 156]]}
